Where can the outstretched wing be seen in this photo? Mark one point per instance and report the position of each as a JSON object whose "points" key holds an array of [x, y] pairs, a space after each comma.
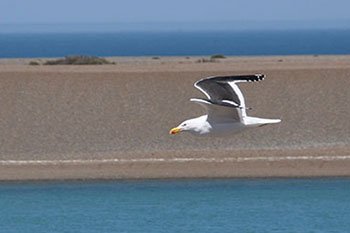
{"points": [[224, 88], [224, 112], [218, 88]]}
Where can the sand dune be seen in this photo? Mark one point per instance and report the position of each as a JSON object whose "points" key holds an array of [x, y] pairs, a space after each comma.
{"points": [[123, 113]]}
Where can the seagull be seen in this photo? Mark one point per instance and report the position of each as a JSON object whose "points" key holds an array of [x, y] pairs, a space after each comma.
{"points": [[225, 106]]}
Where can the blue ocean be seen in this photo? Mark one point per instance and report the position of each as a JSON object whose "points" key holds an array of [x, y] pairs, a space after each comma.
{"points": [[176, 43], [206, 206]]}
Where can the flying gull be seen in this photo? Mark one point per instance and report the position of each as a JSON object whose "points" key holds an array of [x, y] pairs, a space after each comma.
{"points": [[225, 106]]}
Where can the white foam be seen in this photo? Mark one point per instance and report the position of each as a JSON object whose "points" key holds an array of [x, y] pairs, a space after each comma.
{"points": [[178, 160]]}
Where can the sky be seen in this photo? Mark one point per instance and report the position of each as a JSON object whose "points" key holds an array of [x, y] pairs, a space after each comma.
{"points": [[318, 13]]}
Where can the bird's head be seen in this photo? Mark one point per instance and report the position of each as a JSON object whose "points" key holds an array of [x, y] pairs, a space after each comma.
{"points": [[184, 126], [191, 125]]}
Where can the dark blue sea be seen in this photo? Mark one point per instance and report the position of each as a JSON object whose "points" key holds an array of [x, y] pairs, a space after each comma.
{"points": [[176, 43], [173, 206]]}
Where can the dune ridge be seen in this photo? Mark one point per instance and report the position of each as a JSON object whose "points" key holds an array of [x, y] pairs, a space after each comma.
{"points": [[112, 122]]}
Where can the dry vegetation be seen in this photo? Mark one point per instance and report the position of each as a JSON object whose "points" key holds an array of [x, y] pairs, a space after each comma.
{"points": [[79, 60]]}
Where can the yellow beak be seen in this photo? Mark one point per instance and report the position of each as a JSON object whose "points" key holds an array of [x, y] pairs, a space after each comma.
{"points": [[175, 130]]}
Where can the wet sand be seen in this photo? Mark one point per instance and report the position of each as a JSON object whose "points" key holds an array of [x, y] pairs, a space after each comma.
{"points": [[112, 121]]}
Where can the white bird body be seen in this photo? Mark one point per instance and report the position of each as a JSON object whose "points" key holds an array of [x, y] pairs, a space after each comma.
{"points": [[202, 127], [225, 107]]}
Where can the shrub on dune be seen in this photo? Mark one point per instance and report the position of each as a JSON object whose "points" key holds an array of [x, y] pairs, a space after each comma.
{"points": [[79, 60], [217, 56]]}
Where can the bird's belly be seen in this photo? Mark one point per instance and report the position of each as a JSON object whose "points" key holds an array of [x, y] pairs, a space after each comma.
{"points": [[226, 129]]}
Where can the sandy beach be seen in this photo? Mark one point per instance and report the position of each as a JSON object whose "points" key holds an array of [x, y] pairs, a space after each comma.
{"points": [[112, 121]]}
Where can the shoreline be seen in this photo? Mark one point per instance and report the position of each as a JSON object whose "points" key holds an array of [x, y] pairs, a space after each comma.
{"points": [[95, 122], [126, 171], [301, 163]]}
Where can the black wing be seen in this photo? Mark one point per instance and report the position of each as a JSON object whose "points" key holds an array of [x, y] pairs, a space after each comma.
{"points": [[219, 88]]}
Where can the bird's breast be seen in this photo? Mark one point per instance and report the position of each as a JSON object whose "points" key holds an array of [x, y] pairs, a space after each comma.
{"points": [[224, 129]]}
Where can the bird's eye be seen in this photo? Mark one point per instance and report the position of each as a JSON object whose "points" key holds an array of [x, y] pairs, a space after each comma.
{"points": [[184, 124]]}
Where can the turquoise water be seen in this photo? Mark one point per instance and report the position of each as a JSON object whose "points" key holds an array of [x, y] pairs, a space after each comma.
{"points": [[262, 205], [176, 43]]}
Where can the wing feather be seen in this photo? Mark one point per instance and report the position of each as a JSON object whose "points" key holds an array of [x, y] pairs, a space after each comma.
{"points": [[224, 88], [223, 112]]}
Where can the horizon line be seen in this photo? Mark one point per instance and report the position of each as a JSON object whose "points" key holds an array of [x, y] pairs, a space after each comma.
{"points": [[238, 25]]}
